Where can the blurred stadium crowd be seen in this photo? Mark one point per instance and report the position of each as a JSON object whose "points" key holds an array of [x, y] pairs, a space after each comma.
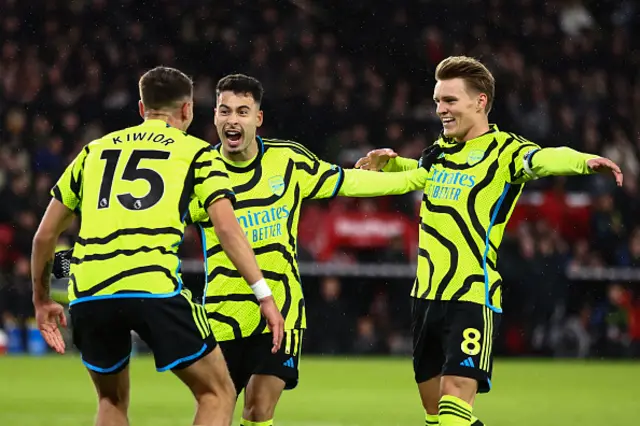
{"points": [[342, 79]]}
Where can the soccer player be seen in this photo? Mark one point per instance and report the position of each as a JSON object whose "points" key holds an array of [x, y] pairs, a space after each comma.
{"points": [[271, 178], [131, 189], [477, 173]]}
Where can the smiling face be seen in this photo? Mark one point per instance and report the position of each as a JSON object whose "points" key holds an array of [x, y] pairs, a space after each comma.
{"points": [[461, 110], [237, 118]]}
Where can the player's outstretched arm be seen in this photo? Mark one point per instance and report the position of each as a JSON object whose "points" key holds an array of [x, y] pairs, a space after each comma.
{"points": [[366, 183], [56, 219], [235, 245], [564, 161], [385, 159]]}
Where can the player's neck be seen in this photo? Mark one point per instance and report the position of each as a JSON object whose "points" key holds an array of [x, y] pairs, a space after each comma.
{"points": [[474, 132], [243, 156], [167, 118]]}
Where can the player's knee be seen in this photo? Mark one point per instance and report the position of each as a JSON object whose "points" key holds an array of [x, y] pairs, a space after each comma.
{"points": [[220, 392], [119, 399], [462, 387], [258, 410]]}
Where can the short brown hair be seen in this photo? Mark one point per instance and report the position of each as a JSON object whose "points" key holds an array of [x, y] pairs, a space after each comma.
{"points": [[241, 84], [163, 87], [472, 71]]}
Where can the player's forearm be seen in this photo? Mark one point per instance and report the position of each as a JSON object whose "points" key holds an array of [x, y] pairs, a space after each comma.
{"points": [[560, 161], [363, 183], [400, 164], [42, 254]]}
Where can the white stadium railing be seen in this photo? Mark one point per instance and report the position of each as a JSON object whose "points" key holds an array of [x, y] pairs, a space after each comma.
{"points": [[394, 270]]}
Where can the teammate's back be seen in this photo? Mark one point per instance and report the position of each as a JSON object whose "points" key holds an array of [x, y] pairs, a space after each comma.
{"points": [[133, 187]]}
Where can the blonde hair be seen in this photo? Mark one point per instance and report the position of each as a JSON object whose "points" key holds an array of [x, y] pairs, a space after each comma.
{"points": [[476, 76]]}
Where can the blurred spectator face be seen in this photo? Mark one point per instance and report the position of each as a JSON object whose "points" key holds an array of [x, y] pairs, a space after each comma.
{"points": [[458, 110], [20, 185], [330, 289], [16, 121], [615, 293], [365, 327], [605, 202], [27, 219], [237, 117], [22, 267]]}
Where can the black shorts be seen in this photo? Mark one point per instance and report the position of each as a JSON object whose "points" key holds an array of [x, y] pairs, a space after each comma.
{"points": [[453, 338], [252, 355], [175, 329]]}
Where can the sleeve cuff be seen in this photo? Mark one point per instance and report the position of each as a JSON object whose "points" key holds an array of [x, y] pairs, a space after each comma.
{"points": [[215, 196]]}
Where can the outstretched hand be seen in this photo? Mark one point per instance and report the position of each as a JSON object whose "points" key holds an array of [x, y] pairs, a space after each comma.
{"points": [[376, 159], [604, 165], [48, 315]]}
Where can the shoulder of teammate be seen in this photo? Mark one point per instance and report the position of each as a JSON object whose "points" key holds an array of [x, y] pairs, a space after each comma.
{"points": [[319, 179], [211, 180], [68, 188], [515, 153]]}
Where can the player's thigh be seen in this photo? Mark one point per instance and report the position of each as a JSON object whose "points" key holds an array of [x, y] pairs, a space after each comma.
{"points": [[113, 387], [101, 331], [176, 330], [471, 331], [239, 361], [208, 375], [284, 364], [428, 338]]}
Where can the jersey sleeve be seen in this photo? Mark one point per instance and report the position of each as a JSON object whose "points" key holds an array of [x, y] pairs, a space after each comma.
{"points": [[320, 179], [196, 212], [68, 188], [365, 183], [516, 157], [211, 181]]}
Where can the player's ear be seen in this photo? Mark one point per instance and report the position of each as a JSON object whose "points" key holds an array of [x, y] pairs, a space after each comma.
{"points": [[141, 108], [260, 118], [481, 102], [187, 111]]}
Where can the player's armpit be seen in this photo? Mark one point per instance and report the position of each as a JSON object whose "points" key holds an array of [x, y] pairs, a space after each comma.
{"points": [[364, 183], [233, 240]]}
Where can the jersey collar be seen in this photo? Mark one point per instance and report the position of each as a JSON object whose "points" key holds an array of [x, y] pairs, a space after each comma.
{"points": [[244, 168], [155, 123], [493, 128]]}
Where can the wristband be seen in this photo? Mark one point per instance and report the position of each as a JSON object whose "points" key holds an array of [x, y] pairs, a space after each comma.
{"points": [[261, 289]]}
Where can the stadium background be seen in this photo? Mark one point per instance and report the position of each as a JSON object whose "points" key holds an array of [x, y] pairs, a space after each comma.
{"points": [[342, 78]]}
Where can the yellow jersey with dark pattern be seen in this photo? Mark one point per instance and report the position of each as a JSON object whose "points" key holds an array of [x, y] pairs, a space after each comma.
{"points": [[269, 192], [131, 189]]}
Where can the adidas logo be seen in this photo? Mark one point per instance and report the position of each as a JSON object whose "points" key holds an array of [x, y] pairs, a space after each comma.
{"points": [[468, 363], [289, 363]]}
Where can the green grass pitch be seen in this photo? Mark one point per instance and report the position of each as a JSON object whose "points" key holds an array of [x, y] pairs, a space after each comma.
{"points": [[56, 391]]}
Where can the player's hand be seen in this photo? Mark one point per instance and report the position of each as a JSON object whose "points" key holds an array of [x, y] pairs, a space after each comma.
{"points": [[275, 322], [48, 315], [604, 165], [429, 156], [376, 159]]}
